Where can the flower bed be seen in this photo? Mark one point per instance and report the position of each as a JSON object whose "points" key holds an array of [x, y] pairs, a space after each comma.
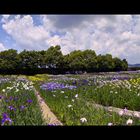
{"points": [[71, 105], [19, 104]]}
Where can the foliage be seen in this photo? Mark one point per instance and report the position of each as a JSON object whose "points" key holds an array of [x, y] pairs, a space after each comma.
{"points": [[53, 61]]}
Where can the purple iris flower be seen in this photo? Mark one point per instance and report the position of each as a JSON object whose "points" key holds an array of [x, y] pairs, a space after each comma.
{"points": [[1, 97], [22, 107], [16, 98], [52, 124], [29, 101], [74, 82], [53, 86], [6, 100], [5, 118], [12, 108], [11, 98]]}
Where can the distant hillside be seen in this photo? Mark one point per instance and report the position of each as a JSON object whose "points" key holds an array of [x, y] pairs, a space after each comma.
{"points": [[133, 65]]}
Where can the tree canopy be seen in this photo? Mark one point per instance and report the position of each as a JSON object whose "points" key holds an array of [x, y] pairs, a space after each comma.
{"points": [[53, 61]]}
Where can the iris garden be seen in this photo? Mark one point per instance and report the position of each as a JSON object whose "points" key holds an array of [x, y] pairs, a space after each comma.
{"points": [[18, 103], [71, 98]]}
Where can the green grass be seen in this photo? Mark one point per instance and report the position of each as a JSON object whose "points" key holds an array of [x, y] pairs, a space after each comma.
{"points": [[114, 96], [30, 115], [81, 108], [109, 94]]}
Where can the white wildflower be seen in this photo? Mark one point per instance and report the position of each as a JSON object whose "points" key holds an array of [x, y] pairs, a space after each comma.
{"points": [[72, 100], [83, 120], [110, 124], [9, 88], [69, 106], [17, 90], [17, 84], [129, 121], [121, 112], [62, 92], [3, 90], [76, 95]]}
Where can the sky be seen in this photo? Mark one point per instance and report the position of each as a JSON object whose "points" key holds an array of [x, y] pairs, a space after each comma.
{"points": [[118, 35]]}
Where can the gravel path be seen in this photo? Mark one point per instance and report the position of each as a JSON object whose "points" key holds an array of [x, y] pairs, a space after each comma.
{"points": [[119, 111], [48, 115]]}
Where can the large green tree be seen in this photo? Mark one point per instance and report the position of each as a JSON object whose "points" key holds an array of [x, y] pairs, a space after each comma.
{"points": [[76, 60], [124, 65], [90, 60], [9, 60], [54, 57], [54, 61], [105, 63], [29, 60]]}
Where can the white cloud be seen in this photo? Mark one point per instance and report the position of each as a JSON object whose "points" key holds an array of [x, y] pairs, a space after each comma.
{"points": [[53, 41], [26, 35], [115, 34], [2, 47], [47, 23], [5, 18]]}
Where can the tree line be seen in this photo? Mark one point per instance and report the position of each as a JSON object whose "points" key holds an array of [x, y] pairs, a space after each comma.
{"points": [[53, 61]]}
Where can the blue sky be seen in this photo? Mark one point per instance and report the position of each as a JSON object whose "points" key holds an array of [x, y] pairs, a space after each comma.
{"points": [[118, 35]]}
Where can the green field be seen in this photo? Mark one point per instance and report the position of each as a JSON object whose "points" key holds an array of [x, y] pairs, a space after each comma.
{"points": [[71, 98]]}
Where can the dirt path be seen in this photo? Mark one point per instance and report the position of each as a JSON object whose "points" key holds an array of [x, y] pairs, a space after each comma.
{"points": [[118, 110], [48, 115]]}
